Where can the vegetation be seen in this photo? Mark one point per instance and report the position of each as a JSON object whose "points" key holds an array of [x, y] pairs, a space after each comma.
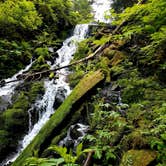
{"points": [[122, 133], [28, 27], [120, 5], [123, 96], [14, 120]]}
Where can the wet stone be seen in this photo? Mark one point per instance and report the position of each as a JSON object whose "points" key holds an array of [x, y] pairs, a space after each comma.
{"points": [[59, 98], [75, 133], [4, 103]]}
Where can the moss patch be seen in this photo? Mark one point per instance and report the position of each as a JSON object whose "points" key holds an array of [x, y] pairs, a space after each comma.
{"points": [[138, 158]]}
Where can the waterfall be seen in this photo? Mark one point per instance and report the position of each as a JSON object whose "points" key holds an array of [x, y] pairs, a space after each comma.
{"points": [[100, 7], [51, 87]]}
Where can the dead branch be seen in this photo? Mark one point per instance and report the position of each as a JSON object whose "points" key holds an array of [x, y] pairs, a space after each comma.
{"points": [[88, 159]]}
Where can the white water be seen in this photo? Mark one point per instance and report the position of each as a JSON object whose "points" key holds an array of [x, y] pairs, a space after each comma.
{"points": [[80, 130], [100, 9], [8, 89], [51, 87]]}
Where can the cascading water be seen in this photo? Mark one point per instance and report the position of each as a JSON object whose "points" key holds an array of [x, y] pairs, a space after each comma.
{"points": [[8, 89], [100, 7], [74, 135]]}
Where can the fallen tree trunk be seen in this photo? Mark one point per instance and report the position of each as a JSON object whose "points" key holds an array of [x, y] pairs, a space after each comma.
{"points": [[84, 86]]}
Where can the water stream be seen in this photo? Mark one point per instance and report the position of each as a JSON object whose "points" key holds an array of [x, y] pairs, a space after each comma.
{"points": [[53, 87], [8, 89]]}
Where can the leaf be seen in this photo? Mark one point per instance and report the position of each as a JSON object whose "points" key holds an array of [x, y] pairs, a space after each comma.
{"points": [[110, 155], [79, 149], [98, 154], [90, 138], [51, 75], [163, 136]]}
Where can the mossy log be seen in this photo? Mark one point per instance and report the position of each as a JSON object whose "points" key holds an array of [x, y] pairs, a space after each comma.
{"points": [[82, 88]]}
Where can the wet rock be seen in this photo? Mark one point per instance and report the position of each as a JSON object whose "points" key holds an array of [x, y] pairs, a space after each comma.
{"points": [[55, 55], [69, 143], [138, 157], [75, 133], [111, 94], [60, 96], [2, 83], [50, 49], [4, 103]]}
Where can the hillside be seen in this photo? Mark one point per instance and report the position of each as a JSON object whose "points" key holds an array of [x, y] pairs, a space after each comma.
{"points": [[114, 114]]}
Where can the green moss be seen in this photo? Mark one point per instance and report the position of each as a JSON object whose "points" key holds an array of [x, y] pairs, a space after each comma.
{"points": [[14, 119], [103, 64], [138, 158], [21, 102], [37, 89], [83, 50], [75, 77], [135, 140], [117, 58]]}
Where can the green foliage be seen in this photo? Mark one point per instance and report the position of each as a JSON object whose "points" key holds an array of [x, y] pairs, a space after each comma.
{"points": [[43, 162], [120, 5], [18, 14], [42, 52], [82, 50], [106, 126], [59, 13], [68, 158], [36, 90], [52, 74], [144, 21], [14, 56], [101, 41], [83, 7]]}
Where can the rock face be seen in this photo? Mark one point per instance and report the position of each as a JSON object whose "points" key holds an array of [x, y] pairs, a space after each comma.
{"points": [[138, 158], [83, 87]]}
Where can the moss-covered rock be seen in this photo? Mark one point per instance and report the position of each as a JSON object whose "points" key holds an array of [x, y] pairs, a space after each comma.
{"points": [[14, 120], [138, 158]]}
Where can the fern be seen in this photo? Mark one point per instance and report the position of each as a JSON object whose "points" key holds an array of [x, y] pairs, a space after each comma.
{"points": [[33, 161], [68, 158]]}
